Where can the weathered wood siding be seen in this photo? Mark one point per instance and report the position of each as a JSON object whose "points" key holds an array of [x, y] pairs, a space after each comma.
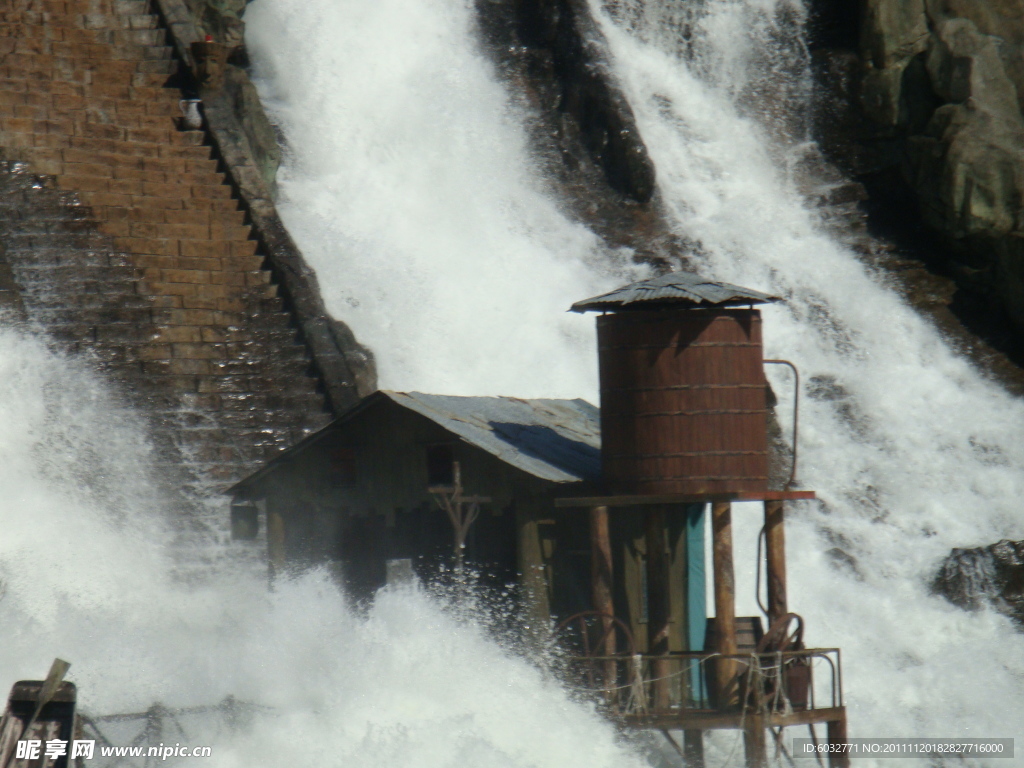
{"points": [[359, 497]]}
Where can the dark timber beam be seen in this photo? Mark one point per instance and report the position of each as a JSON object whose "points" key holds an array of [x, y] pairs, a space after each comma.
{"points": [[725, 604], [837, 735], [775, 551], [601, 586], [601, 573], [658, 608]]}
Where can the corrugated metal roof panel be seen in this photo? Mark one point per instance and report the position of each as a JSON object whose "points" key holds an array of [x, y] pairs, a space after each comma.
{"points": [[556, 440], [674, 288]]}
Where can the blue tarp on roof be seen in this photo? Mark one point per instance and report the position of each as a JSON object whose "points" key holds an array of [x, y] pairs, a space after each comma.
{"points": [[557, 440]]}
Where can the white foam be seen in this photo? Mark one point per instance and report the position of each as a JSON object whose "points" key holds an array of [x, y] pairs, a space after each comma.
{"points": [[405, 157], [916, 456], [410, 189], [87, 575]]}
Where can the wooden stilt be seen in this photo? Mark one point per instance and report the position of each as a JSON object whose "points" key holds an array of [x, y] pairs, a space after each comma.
{"points": [[533, 577], [754, 742], [837, 735], [693, 748], [725, 604], [658, 608], [275, 545], [601, 571], [775, 550], [601, 590]]}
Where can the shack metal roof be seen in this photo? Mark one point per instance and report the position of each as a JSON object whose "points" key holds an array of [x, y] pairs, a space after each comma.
{"points": [[674, 288], [556, 440]]}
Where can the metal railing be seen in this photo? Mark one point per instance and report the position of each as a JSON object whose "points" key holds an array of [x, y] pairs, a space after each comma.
{"points": [[191, 726], [775, 682]]}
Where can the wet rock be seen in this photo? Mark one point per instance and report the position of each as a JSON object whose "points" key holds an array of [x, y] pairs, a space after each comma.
{"points": [[589, 93], [221, 19], [257, 132], [843, 561], [893, 32], [938, 85], [992, 575]]}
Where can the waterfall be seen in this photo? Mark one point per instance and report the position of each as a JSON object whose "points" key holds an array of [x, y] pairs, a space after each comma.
{"points": [[912, 452], [410, 188], [86, 574], [410, 184]]}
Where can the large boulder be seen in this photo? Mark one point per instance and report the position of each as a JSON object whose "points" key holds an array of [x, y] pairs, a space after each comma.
{"points": [[1001, 19], [985, 576], [968, 166], [893, 32]]}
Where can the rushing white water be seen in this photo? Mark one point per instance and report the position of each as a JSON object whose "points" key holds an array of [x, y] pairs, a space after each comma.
{"points": [[87, 576], [912, 452], [409, 188], [409, 185]]}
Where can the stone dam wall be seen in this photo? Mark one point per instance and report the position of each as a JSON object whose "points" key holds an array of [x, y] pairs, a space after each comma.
{"points": [[156, 252]]}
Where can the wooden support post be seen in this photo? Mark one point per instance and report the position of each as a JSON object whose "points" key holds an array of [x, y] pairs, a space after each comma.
{"points": [[658, 608], [754, 742], [775, 551], [275, 544], [837, 735], [533, 576], [693, 748], [726, 670], [601, 570], [601, 591]]}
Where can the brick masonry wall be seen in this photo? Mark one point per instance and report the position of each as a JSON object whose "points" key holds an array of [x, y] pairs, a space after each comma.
{"points": [[123, 239]]}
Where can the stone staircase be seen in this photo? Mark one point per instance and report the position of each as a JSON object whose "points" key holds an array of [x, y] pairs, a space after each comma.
{"points": [[122, 240]]}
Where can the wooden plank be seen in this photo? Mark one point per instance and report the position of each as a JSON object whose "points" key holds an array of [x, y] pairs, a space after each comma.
{"points": [[685, 498]]}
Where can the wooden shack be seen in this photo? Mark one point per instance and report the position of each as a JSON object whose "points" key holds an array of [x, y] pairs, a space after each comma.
{"points": [[369, 489]]}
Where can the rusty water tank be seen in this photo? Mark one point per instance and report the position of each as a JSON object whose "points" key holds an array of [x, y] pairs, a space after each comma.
{"points": [[683, 390]]}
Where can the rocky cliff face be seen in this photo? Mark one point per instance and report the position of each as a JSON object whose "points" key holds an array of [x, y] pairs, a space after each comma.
{"points": [[928, 99], [921, 100]]}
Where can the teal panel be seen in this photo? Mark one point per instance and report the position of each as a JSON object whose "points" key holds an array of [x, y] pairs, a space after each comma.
{"points": [[696, 581]]}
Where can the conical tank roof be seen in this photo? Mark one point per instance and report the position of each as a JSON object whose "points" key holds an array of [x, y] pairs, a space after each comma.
{"points": [[675, 288]]}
